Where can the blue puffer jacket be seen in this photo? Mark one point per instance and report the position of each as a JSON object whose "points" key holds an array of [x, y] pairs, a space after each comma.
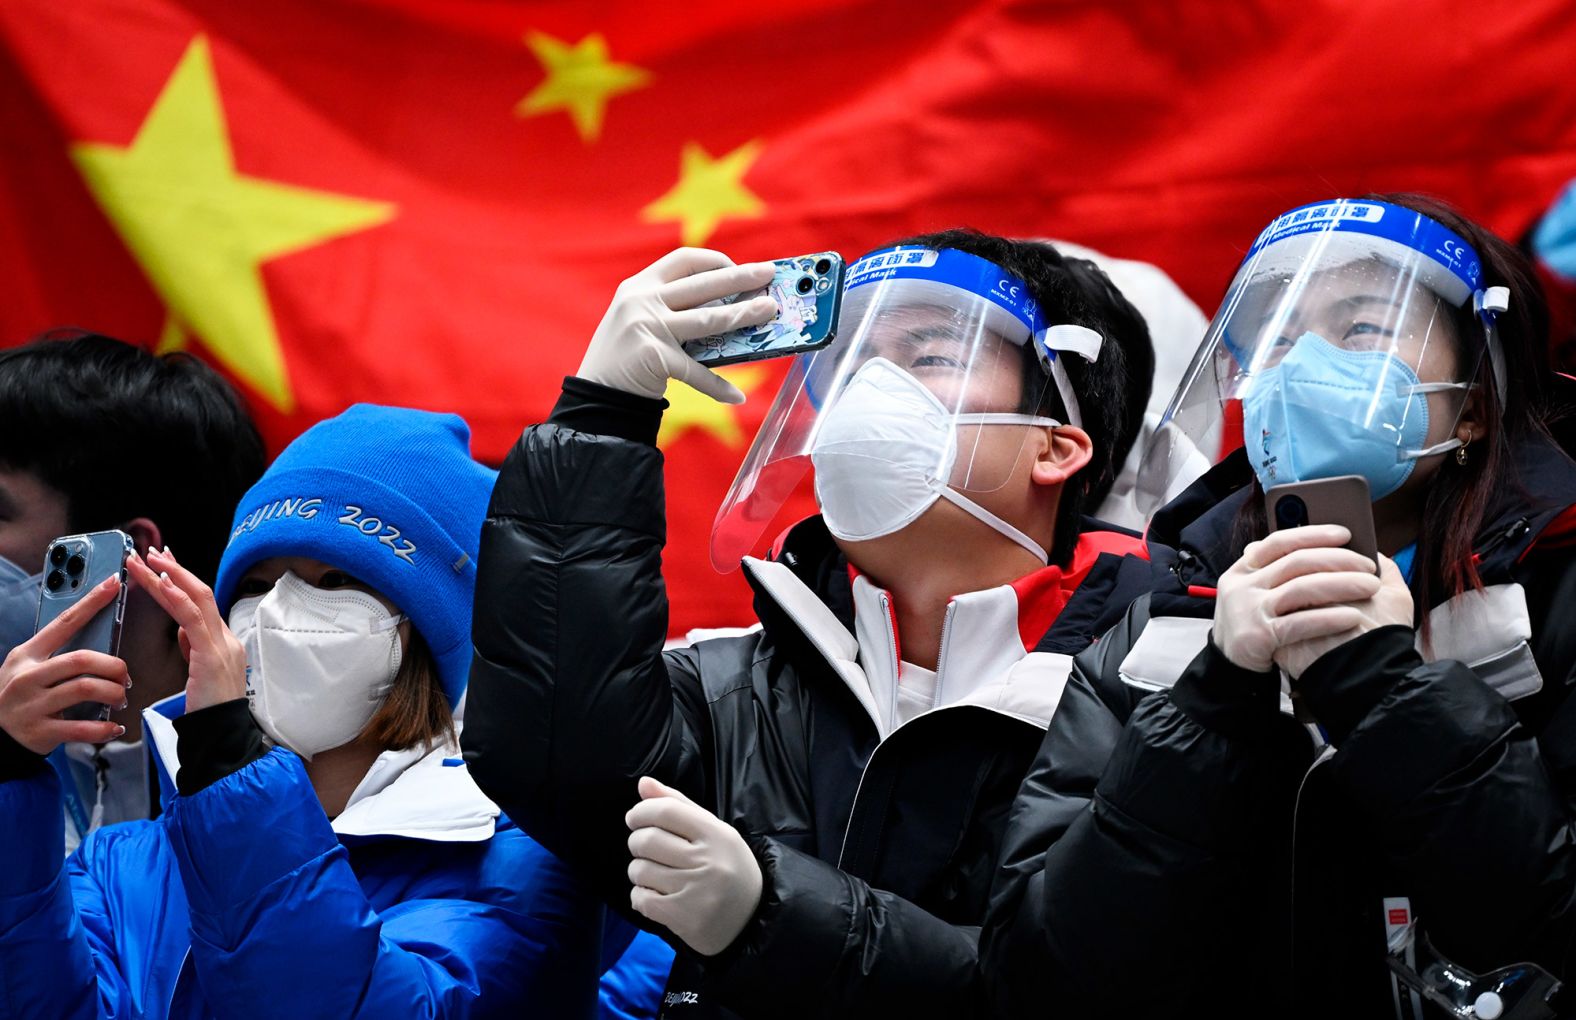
{"points": [[243, 900]]}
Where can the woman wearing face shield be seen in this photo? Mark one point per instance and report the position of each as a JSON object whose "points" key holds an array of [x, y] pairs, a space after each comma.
{"points": [[1293, 780], [809, 812], [322, 851]]}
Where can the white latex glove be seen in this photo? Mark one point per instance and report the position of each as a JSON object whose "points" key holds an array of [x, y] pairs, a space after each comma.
{"points": [[692, 872], [1391, 605], [636, 346], [1294, 585]]}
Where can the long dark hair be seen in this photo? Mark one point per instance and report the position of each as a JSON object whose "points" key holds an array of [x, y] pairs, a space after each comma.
{"points": [[1458, 501]]}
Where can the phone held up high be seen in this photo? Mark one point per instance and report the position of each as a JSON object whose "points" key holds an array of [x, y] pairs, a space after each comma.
{"points": [[1341, 500], [808, 290], [73, 566]]}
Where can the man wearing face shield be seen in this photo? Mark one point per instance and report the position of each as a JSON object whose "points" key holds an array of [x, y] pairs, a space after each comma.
{"points": [[1293, 781], [810, 811]]}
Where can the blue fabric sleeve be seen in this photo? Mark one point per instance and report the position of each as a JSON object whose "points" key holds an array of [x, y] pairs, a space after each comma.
{"points": [[632, 987], [278, 916], [54, 962]]}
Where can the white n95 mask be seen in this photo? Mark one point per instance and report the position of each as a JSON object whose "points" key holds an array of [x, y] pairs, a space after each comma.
{"points": [[319, 662], [884, 452]]}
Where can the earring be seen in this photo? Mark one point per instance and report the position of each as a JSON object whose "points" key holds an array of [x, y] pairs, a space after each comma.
{"points": [[1461, 453]]}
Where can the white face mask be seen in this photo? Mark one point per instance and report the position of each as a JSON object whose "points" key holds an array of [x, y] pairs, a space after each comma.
{"points": [[884, 451], [319, 662]]}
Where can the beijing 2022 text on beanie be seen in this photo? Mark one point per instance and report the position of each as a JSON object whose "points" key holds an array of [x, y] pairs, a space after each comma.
{"points": [[389, 495]]}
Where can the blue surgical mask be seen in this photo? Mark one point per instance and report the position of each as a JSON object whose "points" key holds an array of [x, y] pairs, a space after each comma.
{"points": [[1323, 411], [18, 604]]}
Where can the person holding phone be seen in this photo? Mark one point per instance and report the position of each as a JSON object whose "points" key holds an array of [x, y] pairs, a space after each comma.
{"points": [[810, 811], [80, 414], [1180, 822], [322, 850]]}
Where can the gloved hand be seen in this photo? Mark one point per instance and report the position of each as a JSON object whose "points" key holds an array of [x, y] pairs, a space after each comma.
{"points": [[1391, 604], [636, 346], [692, 872], [1294, 585]]}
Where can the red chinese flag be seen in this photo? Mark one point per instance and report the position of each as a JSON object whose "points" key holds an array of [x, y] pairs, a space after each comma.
{"points": [[429, 203]]}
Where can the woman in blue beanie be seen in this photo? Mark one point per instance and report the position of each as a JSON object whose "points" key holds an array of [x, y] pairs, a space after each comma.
{"points": [[322, 850]]}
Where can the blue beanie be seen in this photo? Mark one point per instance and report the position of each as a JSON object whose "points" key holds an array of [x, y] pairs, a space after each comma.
{"points": [[389, 495]]}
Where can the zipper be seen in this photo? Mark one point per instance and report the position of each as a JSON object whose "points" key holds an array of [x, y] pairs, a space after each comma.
{"points": [[1296, 821], [100, 784], [890, 619], [941, 655], [175, 987]]}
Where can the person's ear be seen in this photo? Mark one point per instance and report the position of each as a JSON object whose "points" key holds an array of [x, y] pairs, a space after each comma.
{"points": [[1066, 450], [1469, 426], [144, 534]]}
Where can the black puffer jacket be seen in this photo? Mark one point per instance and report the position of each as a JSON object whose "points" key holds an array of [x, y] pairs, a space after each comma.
{"points": [[877, 856], [1178, 853]]}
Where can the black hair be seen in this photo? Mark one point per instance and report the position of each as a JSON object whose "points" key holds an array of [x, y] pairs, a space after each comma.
{"points": [[1113, 391], [122, 433]]}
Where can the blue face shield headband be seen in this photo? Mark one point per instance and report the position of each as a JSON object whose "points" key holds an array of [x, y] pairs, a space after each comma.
{"points": [[952, 278]]}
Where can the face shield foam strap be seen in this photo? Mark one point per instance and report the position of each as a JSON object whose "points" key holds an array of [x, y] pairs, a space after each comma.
{"points": [[1488, 304], [1067, 338]]}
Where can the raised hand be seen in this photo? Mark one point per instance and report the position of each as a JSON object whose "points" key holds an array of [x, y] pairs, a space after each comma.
{"points": [[36, 685], [636, 346], [1391, 604], [1294, 585], [215, 660]]}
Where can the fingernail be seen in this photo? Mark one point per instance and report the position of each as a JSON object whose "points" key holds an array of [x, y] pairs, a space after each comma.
{"points": [[109, 582], [125, 703], [164, 575], [167, 551], [120, 731]]}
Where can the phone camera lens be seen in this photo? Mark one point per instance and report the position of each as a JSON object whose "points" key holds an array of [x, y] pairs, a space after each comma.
{"points": [[806, 285], [823, 266], [1291, 512], [57, 555], [76, 564], [55, 580]]}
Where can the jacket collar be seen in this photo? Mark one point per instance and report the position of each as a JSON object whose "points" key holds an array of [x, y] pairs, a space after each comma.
{"points": [[807, 595], [414, 793]]}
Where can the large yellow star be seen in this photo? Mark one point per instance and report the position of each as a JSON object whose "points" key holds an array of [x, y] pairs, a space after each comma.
{"points": [[580, 79], [691, 409], [200, 230], [708, 190]]}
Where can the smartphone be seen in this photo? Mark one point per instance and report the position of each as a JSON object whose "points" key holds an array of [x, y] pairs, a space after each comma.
{"points": [[73, 566], [1341, 500], [808, 290]]}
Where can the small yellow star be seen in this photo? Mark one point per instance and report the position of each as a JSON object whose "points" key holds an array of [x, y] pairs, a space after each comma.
{"points": [[691, 409], [708, 191], [201, 231], [580, 79]]}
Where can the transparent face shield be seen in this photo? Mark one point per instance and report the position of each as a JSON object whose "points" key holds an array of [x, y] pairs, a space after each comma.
{"points": [[1338, 350], [940, 371]]}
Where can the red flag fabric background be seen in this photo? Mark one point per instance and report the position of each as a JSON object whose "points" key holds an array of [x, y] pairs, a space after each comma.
{"points": [[429, 203]]}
